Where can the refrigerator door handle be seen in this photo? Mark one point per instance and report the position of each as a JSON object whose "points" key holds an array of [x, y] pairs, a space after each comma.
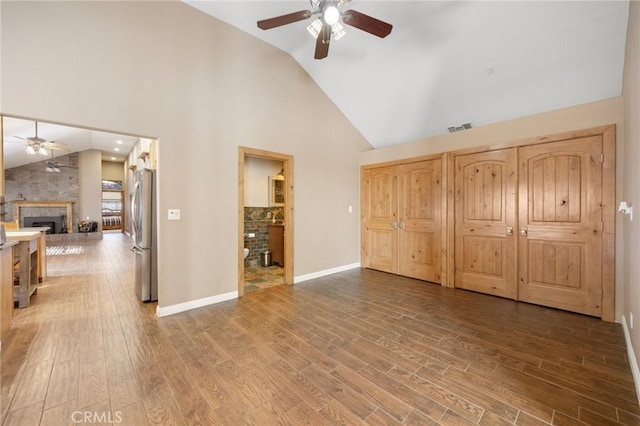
{"points": [[136, 250], [135, 208]]}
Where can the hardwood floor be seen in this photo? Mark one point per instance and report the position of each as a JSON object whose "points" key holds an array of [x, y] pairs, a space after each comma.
{"points": [[359, 347]]}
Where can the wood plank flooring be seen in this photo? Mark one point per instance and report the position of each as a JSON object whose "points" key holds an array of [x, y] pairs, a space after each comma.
{"points": [[359, 347]]}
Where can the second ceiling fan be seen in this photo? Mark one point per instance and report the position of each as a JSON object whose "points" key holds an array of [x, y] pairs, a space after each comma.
{"points": [[329, 23]]}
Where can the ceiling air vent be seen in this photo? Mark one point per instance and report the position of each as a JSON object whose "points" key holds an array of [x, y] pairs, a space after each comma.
{"points": [[464, 126]]}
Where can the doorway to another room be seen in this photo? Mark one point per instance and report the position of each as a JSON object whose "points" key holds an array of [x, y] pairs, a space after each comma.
{"points": [[112, 206], [265, 220]]}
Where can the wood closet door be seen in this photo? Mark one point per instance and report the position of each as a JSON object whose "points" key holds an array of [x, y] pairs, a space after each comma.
{"points": [[380, 218], [561, 225], [485, 212], [420, 221]]}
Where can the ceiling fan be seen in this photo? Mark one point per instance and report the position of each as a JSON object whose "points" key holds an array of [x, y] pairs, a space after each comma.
{"points": [[36, 145], [329, 23], [51, 166]]}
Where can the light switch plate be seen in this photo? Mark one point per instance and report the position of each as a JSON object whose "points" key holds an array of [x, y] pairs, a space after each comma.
{"points": [[174, 214]]}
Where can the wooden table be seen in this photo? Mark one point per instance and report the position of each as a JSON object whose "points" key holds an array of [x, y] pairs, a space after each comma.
{"points": [[6, 287], [27, 249], [42, 249]]}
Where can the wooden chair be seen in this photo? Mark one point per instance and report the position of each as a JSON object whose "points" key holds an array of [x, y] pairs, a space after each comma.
{"points": [[9, 226]]}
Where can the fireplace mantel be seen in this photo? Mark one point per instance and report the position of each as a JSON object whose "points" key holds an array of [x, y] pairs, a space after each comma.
{"points": [[18, 204]]}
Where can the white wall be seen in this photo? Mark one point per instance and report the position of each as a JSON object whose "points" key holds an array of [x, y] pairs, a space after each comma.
{"points": [[203, 88], [608, 111], [256, 179], [631, 175], [112, 170], [90, 185]]}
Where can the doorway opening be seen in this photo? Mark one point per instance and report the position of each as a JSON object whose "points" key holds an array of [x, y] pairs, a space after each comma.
{"points": [[265, 219], [96, 167], [112, 208]]}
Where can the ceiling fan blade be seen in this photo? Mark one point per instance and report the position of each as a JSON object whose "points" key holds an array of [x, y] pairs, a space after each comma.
{"points": [[289, 18], [366, 23], [322, 42], [58, 146]]}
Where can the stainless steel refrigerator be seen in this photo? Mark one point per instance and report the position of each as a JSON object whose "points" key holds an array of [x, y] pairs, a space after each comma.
{"points": [[143, 218]]}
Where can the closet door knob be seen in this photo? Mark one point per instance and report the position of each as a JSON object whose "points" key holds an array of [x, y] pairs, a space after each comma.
{"points": [[401, 225], [394, 225], [509, 231], [523, 232]]}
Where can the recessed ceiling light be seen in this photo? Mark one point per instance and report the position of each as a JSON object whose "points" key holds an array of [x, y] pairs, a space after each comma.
{"points": [[119, 142], [116, 149], [113, 158]]}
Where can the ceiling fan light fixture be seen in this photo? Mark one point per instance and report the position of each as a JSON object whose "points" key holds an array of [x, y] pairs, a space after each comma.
{"points": [[315, 27], [52, 169], [42, 151], [328, 23], [338, 31], [331, 14], [29, 149]]}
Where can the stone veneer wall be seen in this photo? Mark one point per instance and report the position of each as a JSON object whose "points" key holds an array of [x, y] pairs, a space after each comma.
{"points": [[257, 220], [34, 184]]}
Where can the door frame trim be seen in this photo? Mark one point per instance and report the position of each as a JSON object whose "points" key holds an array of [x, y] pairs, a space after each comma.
{"points": [[287, 160]]}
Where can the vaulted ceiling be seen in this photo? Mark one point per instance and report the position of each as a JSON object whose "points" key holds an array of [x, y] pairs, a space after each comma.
{"points": [[447, 62], [16, 132]]}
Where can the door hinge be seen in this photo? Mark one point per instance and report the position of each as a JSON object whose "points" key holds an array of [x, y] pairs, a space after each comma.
{"points": [[601, 226], [602, 157]]}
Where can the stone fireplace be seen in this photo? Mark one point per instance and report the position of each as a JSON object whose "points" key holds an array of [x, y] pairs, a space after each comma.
{"points": [[32, 192], [62, 228]]}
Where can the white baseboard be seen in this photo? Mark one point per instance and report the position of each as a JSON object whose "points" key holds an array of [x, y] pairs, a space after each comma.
{"points": [[324, 273], [633, 361], [163, 311]]}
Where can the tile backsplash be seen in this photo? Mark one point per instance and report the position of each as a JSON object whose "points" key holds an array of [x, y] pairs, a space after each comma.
{"points": [[256, 221]]}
